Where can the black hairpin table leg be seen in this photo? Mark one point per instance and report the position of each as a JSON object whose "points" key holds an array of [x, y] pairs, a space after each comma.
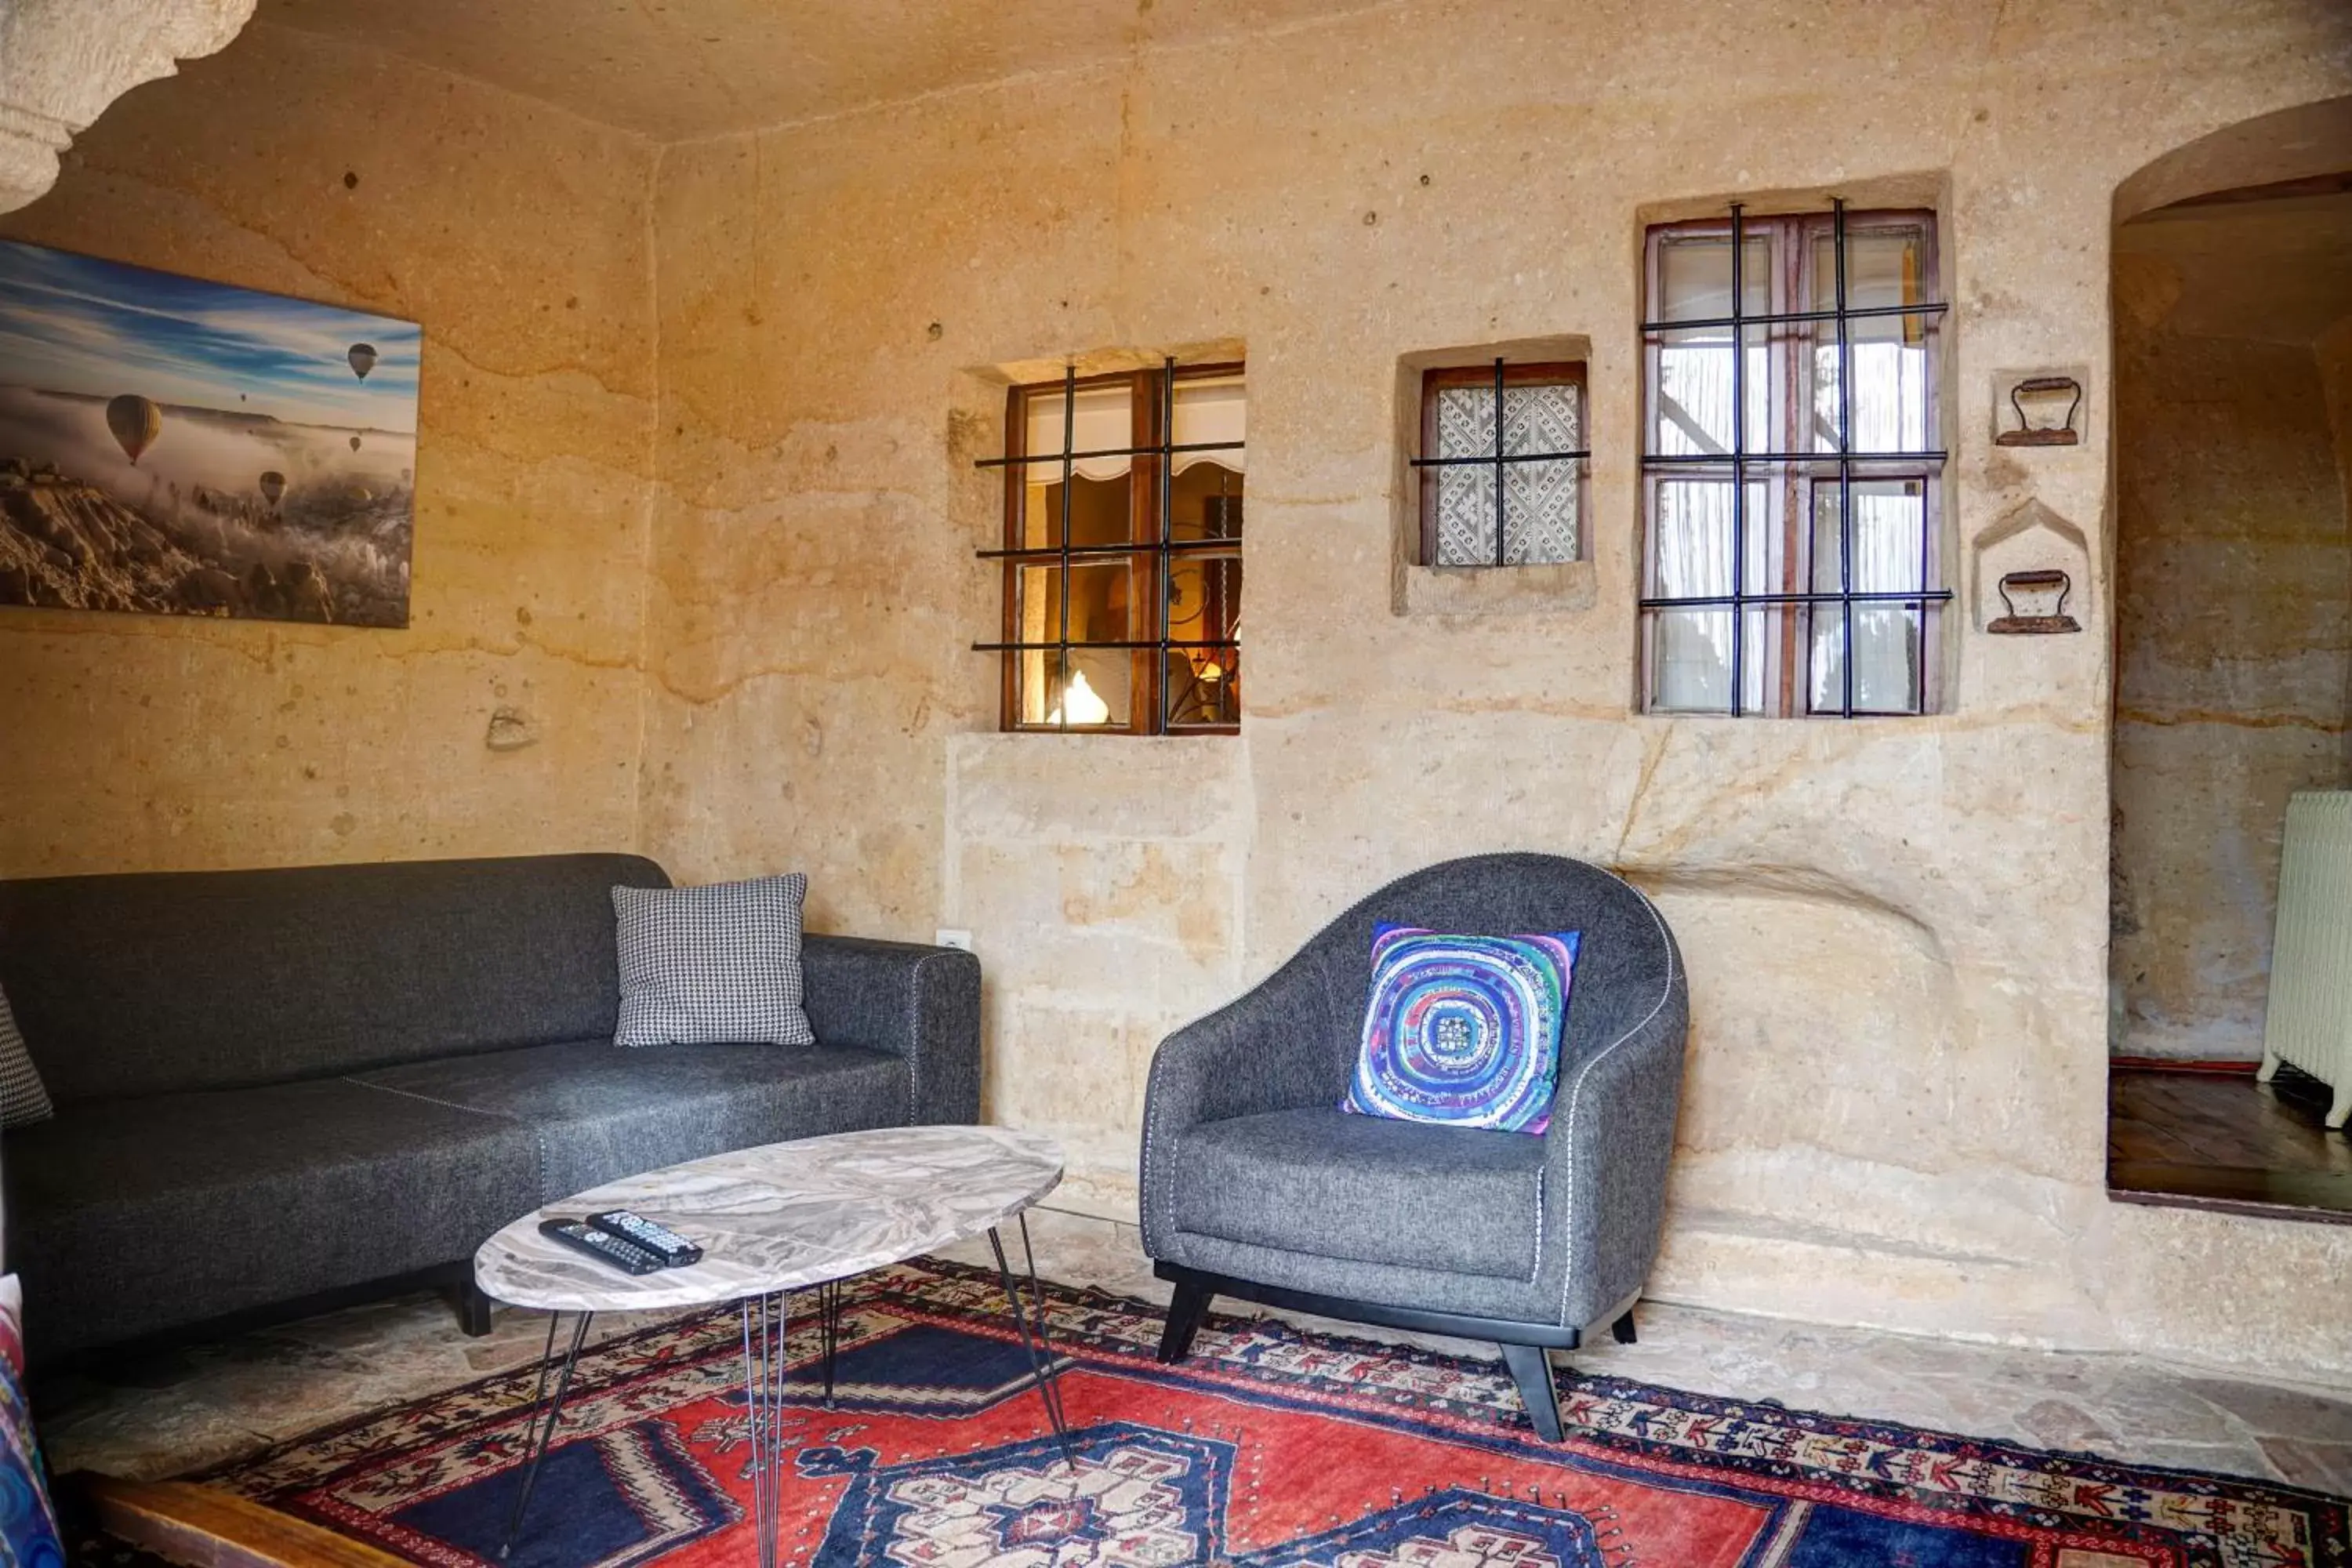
{"points": [[1037, 1301], [1032, 1338], [829, 1299], [766, 1355], [539, 1432]]}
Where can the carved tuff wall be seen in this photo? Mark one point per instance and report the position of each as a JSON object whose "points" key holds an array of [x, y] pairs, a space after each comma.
{"points": [[63, 61], [710, 525], [505, 717], [2233, 603], [1897, 931]]}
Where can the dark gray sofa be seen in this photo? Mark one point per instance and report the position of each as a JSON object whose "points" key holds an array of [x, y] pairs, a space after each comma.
{"points": [[1256, 1184], [273, 1086]]}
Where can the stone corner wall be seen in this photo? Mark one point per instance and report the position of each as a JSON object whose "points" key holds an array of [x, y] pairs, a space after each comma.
{"points": [[504, 718], [2233, 617], [1898, 932]]}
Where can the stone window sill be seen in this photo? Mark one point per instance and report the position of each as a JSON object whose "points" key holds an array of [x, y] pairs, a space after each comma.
{"points": [[1568, 588]]}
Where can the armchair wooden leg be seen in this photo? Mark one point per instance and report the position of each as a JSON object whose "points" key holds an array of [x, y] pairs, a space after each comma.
{"points": [[1622, 1330], [1531, 1370], [1184, 1314]]}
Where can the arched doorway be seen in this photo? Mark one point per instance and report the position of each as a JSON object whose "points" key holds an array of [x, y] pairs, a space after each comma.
{"points": [[2232, 423]]}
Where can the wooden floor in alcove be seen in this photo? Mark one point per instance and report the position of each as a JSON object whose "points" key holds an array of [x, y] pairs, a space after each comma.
{"points": [[2208, 1138]]}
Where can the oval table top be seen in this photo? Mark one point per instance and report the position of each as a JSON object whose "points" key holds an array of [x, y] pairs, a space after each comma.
{"points": [[782, 1215]]}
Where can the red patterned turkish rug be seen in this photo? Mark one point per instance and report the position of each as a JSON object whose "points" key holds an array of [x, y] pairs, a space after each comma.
{"points": [[1268, 1449]]}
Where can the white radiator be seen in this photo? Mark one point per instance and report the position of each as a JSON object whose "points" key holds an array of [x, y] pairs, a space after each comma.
{"points": [[2309, 1025]]}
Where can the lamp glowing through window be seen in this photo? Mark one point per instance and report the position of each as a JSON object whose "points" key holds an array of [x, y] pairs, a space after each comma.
{"points": [[1081, 704]]}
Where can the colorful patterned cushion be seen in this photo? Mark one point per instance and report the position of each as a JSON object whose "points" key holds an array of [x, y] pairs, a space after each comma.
{"points": [[28, 1525], [1463, 1030]]}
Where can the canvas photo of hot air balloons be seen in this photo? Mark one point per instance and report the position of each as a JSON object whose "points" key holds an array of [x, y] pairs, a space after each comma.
{"points": [[183, 447]]}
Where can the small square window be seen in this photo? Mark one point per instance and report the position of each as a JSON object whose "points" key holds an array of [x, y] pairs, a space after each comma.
{"points": [[1122, 554], [1502, 465]]}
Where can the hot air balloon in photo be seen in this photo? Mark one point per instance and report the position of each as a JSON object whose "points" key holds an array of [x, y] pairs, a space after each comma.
{"points": [[136, 422], [173, 436]]}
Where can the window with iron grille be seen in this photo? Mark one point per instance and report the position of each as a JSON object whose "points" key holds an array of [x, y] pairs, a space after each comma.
{"points": [[1122, 554], [1794, 560], [1502, 465]]}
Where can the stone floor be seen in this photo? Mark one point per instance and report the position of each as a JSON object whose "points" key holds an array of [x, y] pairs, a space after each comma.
{"points": [[177, 1411]]}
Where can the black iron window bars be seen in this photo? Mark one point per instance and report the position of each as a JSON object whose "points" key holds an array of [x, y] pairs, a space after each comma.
{"points": [[1499, 459], [1739, 461], [1160, 548]]}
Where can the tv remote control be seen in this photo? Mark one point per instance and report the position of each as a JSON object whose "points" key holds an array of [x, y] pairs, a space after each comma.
{"points": [[673, 1249], [624, 1255]]}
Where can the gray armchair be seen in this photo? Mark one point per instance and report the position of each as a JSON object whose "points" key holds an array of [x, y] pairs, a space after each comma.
{"points": [[1256, 1184]]}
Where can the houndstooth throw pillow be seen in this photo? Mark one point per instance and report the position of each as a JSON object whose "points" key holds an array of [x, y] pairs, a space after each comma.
{"points": [[23, 1100], [712, 966]]}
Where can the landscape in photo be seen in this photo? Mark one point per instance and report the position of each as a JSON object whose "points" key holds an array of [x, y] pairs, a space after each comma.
{"points": [[177, 446]]}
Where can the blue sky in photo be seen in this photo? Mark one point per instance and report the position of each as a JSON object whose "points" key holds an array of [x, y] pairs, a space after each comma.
{"points": [[74, 323]]}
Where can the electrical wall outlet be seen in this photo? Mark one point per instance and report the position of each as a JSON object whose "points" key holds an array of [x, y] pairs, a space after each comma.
{"points": [[961, 939]]}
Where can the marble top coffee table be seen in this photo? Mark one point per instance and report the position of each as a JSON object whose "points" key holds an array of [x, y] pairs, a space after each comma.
{"points": [[771, 1220]]}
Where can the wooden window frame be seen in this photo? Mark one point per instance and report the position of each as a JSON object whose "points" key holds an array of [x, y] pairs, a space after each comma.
{"points": [[1548, 372], [1146, 554], [1788, 484]]}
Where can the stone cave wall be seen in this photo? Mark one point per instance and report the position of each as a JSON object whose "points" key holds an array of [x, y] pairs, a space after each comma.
{"points": [[698, 502], [505, 717], [2332, 352], [1897, 931], [2234, 636]]}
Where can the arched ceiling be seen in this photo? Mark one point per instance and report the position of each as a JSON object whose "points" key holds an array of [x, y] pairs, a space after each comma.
{"points": [[2278, 270], [679, 70]]}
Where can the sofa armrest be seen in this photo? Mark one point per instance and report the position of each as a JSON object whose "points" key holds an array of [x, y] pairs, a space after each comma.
{"points": [[920, 1002], [1606, 1155], [1272, 1049]]}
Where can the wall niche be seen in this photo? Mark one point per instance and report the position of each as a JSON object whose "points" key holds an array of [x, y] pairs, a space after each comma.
{"points": [[2029, 539], [1544, 399]]}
